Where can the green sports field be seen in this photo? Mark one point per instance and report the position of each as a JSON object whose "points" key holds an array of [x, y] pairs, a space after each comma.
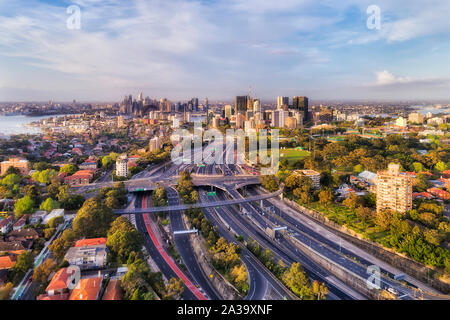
{"points": [[292, 155]]}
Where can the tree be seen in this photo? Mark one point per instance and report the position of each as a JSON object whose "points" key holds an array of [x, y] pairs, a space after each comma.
{"points": [[358, 169], [11, 179], [175, 288], [44, 270], [320, 290], [6, 290], [55, 222], [45, 176], [70, 169], [325, 196], [93, 219], [441, 166], [107, 161], [418, 167], [33, 192], [23, 206], [364, 213], [72, 202], [58, 248], [25, 261], [270, 183], [49, 204], [353, 201], [383, 219], [123, 239], [297, 281], [159, 197], [4, 192]]}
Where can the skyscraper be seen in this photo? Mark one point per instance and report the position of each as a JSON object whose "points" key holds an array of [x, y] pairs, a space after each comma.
{"points": [[228, 111], [256, 106], [282, 101], [301, 104], [240, 104]]}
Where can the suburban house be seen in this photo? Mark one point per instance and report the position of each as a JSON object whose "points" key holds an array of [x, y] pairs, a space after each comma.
{"points": [[20, 223], [113, 290], [6, 224], [87, 289], [87, 257], [57, 288], [82, 177]]}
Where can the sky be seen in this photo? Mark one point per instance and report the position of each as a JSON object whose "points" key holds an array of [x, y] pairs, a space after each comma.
{"points": [[181, 49]]}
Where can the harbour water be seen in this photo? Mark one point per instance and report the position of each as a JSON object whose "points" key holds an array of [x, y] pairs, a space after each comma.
{"points": [[10, 125]]}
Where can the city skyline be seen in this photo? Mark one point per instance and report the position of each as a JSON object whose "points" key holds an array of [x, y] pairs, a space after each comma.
{"points": [[217, 49]]}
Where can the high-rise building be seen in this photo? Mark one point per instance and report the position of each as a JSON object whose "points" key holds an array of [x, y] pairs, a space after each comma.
{"points": [[240, 119], [228, 111], [154, 144], [301, 104], [240, 105], [278, 118], [282, 102], [416, 117], [122, 166], [256, 106], [394, 190]]}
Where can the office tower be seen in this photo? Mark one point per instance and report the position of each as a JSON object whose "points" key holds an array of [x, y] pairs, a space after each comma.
{"points": [[140, 98], [256, 106], [240, 119], [278, 118], [282, 102], [122, 166], [194, 102], [240, 105], [228, 111], [248, 114], [301, 104], [394, 190], [298, 117]]}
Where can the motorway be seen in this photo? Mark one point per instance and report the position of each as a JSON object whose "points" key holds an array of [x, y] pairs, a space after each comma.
{"points": [[261, 280], [346, 259], [164, 262], [281, 249], [185, 250]]}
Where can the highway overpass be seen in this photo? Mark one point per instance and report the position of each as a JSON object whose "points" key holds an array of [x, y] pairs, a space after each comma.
{"points": [[198, 205]]}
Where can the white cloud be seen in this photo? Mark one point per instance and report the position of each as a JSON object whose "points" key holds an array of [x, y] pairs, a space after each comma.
{"points": [[387, 78]]}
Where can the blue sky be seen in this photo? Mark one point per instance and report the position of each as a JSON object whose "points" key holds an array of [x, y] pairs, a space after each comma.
{"points": [[216, 49]]}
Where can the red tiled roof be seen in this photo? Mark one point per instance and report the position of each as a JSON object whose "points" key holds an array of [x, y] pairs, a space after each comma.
{"points": [[7, 262], [59, 280], [90, 242], [113, 291], [56, 297], [87, 289]]}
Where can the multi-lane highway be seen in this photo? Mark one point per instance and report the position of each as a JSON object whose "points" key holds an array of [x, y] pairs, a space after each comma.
{"points": [[185, 250]]}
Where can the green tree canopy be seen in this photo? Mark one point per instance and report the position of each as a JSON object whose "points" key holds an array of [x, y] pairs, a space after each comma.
{"points": [[93, 219], [23, 206]]}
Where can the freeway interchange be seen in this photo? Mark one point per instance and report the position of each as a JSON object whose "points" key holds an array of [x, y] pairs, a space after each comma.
{"points": [[239, 208]]}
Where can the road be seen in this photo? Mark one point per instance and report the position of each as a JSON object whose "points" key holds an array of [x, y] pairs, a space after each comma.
{"points": [[185, 250], [165, 263], [282, 250]]}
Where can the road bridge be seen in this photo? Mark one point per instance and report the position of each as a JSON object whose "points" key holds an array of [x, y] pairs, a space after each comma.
{"points": [[198, 205]]}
